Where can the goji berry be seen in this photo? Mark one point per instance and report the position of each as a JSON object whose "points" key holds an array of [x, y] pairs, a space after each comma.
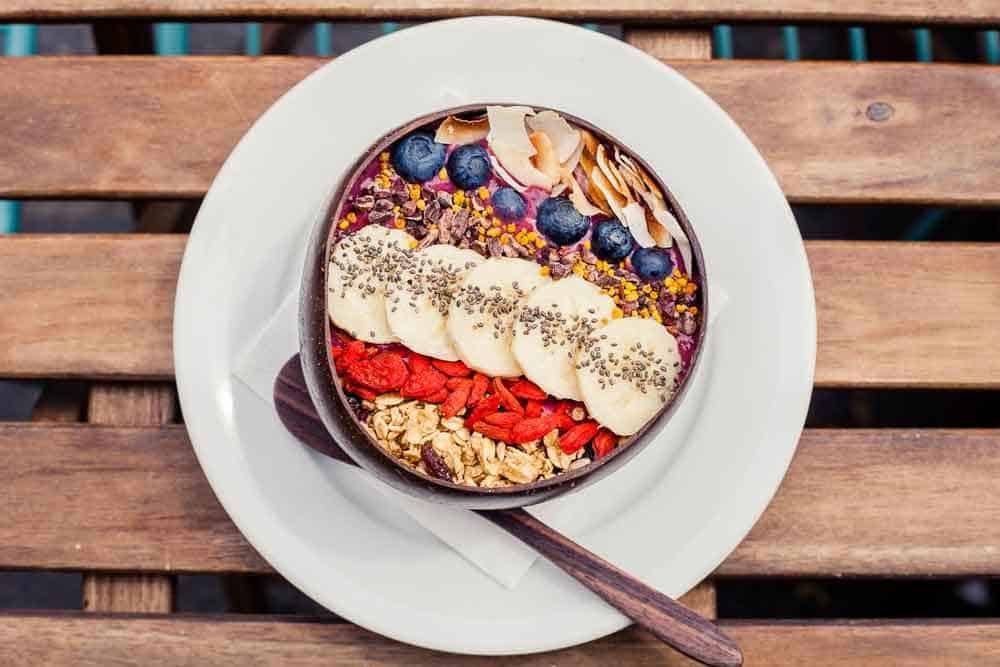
{"points": [[564, 422], [440, 396], [486, 406], [383, 372], [504, 419], [527, 430], [335, 352], [533, 408], [527, 390], [578, 436], [455, 383], [421, 384], [419, 363], [456, 399], [453, 368], [604, 442], [506, 398], [491, 431], [371, 351], [480, 383], [360, 391], [352, 353]]}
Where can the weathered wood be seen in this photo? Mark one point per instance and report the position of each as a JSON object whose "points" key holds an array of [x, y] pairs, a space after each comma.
{"points": [[671, 44], [890, 314], [60, 402], [911, 11], [866, 502], [130, 405], [221, 641], [851, 133]]}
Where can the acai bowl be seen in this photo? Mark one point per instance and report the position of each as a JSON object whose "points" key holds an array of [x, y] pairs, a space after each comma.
{"points": [[500, 304]]}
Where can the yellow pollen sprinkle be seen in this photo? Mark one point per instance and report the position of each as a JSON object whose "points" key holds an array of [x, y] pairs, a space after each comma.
{"points": [[644, 313], [458, 197], [544, 271], [505, 239], [677, 273], [421, 204], [539, 243], [693, 310], [690, 288], [673, 289], [511, 228], [395, 209], [654, 295], [482, 239], [586, 244], [631, 296], [489, 210], [616, 314], [680, 308], [496, 222], [480, 229], [657, 316], [352, 217], [399, 224], [344, 224], [384, 156], [493, 232], [483, 192], [443, 174], [413, 244]]}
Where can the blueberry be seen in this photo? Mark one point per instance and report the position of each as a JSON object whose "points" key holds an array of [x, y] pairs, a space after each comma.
{"points": [[469, 166], [611, 241], [508, 204], [417, 157], [560, 222], [652, 263]]}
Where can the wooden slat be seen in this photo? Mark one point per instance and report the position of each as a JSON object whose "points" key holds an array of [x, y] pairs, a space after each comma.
{"points": [[890, 314], [928, 11], [671, 44], [130, 405], [850, 133], [79, 640], [880, 502]]}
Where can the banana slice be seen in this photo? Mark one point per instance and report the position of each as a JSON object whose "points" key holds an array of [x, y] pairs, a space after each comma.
{"points": [[482, 314], [360, 267], [417, 304], [552, 324], [627, 371]]}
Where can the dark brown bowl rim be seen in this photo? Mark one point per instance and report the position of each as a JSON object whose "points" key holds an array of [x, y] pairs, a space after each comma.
{"points": [[315, 277]]}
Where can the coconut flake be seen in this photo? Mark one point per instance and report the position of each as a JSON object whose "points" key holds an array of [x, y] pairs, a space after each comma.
{"points": [[574, 159], [580, 201], [460, 131], [673, 228], [613, 198], [508, 137], [564, 137], [505, 177], [634, 217], [545, 160]]}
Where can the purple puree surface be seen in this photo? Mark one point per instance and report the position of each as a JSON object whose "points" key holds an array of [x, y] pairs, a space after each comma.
{"points": [[534, 196]]}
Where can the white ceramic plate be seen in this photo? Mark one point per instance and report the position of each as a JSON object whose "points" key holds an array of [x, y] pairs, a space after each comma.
{"points": [[677, 511]]}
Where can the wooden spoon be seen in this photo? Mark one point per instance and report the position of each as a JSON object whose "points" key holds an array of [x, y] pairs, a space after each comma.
{"points": [[668, 620]]}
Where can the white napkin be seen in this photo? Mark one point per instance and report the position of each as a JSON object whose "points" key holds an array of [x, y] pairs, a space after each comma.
{"points": [[489, 548]]}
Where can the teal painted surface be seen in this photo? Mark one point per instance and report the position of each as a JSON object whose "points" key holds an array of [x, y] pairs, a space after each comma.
{"points": [[858, 43], [10, 216], [19, 40], [389, 26], [323, 34], [251, 37], [922, 44], [790, 36], [991, 47], [722, 41], [172, 39], [591, 26]]}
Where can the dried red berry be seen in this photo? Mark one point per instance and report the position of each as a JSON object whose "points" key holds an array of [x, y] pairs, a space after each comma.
{"points": [[434, 463], [504, 419], [440, 396], [383, 372], [532, 429], [533, 408], [455, 383], [419, 363], [528, 390], [352, 353], [456, 399], [491, 431], [453, 368], [506, 398], [578, 436], [358, 390], [604, 442], [480, 383], [422, 384], [486, 406]]}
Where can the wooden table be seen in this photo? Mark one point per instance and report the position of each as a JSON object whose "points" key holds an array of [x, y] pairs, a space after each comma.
{"points": [[114, 491]]}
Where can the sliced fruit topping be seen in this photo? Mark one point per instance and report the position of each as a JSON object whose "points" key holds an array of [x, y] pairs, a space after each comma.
{"points": [[564, 137], [560, 222], [611, 241], [420, 295], [482, 313], [578, 436], [361, 266], [509, 140], [461, 131], [627, 371], [469, 166], [553, 322], [652, 263], [508, 204], [545, 158], [417, 157]]}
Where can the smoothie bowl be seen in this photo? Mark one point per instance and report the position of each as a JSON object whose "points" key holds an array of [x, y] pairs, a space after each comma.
{"points": [[501, 303]]}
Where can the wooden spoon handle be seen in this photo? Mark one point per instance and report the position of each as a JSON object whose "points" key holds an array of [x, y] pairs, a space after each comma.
{"points": [[670, 621]]}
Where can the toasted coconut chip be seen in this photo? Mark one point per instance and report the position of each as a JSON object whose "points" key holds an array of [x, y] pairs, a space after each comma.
{"points": [[613, 198], [594, 193], [610, 174], [459, 131], [545, 160], [580, 201], [589, 142], [505, 177], [559, 188], [670, 224], [509, 140], [574, 159], [565, 138], [659, 232], [662, 225], [634, 217]]}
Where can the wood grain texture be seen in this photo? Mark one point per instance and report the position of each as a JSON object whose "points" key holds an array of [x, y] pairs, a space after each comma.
{"points": [[665, 44], [668, 620], [130, 405], [234, 641], [924, 11], [101, 306], [879, 503], [112, 129]]}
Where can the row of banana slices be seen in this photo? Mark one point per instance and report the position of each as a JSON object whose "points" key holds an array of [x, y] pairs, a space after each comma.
{"points": [[505, 319]]}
